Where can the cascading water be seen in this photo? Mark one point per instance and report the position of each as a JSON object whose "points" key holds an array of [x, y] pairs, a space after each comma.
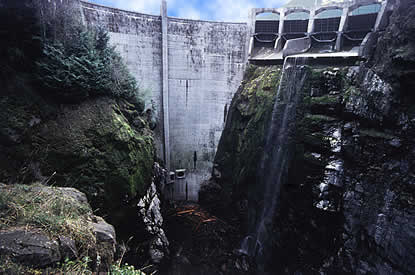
{"points": [[275, 159]]}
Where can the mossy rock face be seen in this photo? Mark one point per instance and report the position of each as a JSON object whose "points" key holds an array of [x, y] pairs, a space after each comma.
{"points": [[243, 138], [93, 146]]}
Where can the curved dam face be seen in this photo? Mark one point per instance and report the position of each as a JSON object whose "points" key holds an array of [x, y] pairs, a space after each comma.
{"points": [[189, 86]]}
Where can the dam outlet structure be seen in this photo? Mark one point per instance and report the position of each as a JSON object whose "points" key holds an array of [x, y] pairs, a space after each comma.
{"points": [[189, 70]]}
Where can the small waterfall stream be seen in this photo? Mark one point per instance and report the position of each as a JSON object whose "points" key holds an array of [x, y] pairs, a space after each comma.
{"points": [[273, 168]]}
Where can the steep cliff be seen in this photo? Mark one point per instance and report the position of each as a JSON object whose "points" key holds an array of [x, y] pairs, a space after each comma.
{"points": [[242, 141], [347, 205]]}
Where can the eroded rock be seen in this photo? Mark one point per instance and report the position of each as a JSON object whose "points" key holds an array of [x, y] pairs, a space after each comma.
{"points": [[150, 211]]}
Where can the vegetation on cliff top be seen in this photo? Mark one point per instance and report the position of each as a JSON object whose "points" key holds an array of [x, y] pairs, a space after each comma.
{"points": [[85, 66], [66, 60]]}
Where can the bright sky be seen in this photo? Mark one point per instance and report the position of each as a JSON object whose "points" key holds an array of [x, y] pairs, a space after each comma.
{"points": [[219, 10]]}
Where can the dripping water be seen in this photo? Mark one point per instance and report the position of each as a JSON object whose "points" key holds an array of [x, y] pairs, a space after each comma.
{"points": [[273, 167]]}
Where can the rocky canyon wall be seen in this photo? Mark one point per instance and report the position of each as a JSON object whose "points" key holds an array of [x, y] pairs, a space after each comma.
{"points": [[348, 203]]}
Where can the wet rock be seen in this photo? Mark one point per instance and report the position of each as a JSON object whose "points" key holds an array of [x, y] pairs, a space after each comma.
{"points": [[395, 142], [372, 100], [211, 196], [150, 212]]}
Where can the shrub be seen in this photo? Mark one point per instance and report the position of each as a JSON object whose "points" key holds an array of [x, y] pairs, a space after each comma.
{"points": [[76, 267], [125, 270], [85, 66]]}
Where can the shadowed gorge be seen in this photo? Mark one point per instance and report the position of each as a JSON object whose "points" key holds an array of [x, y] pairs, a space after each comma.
{"points": [[147, 144]]}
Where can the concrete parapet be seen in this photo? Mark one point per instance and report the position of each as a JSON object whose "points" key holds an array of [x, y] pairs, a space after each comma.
{"points": [[251, 46], [310, 28], [368, 45], [296, 46], [342, 27], [278, 44], [281, 26], [382, 19], [346, 6]]}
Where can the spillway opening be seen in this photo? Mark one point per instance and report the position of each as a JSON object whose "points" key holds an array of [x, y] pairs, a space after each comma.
{"points": [[266, 29], [295, 24], [360, 22], [325, 30]]}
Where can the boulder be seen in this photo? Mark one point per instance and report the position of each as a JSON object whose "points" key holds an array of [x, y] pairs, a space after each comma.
{"points": [[30, 247], [66, 228]]}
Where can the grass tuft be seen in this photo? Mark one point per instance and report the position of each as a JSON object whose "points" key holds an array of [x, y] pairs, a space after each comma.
{"points": [[47, 208]]}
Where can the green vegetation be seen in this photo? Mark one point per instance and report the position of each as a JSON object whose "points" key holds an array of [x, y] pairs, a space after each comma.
{"points": [[59, 56], [103, 146], [320, 118], [60, 61], [375, 134], [80, 267], [324, 100], [351, 92], [48, 209], [125, 270], [77, 267], [243, 138], [7, 266], [84, 66]]}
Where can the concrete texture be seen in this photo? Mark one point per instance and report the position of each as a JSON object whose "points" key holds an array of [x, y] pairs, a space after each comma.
{"points": [[342, 27], [296, 46], [206, 60], [190, 70], [165, 76], [346, 7]]}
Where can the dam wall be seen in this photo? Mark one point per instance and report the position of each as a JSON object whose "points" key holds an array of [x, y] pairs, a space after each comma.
{"points": [[189, 71], [138, 39], [206, 65]]}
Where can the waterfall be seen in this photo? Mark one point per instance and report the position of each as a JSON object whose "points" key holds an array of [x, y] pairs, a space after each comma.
{"points": [[277, 153]]}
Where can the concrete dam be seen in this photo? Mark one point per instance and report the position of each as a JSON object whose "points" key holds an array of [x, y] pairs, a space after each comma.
{"points": [[189, 70]]}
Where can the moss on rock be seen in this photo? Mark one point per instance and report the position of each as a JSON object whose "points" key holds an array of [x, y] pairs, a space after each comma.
{"points": [[93, 146], [243, 139]]}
